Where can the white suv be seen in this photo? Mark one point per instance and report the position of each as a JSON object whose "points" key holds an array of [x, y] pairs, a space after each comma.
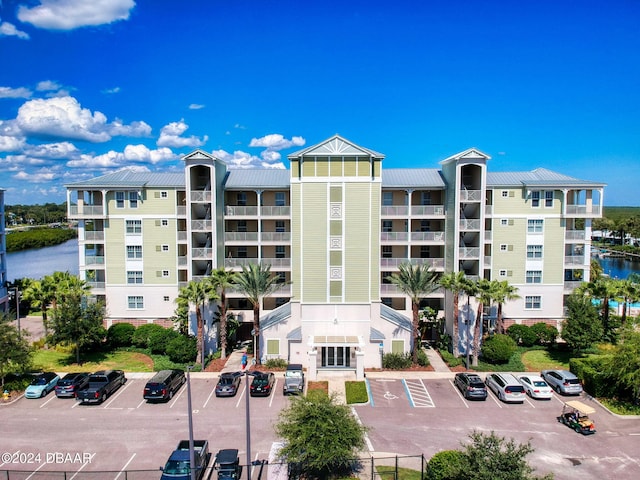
{"points": [[506, 387]]}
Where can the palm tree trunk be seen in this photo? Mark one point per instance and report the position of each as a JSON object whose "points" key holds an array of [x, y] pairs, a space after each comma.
{"points": [[416, 332], [499, 320], [256, 333], [199, 338], [223, 325], [456, 333], [476, 335]]}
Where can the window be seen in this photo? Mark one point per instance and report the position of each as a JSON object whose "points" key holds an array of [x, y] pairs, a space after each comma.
{"points": [[425, 226], [504, 222], [164, 194], [282, 277], [242, 199], [505, 193], [280, 199], [280, 251], [165, 248], [425, 251], [134, 227], [165, 273], [535, 198], [135, 302], [387, 251], [164, 222], [166, 298], [503, 273], [119, 199], [280, 226], [242, 252], [134, 276], [242, 225], [397, 347], [535, 225], [548, 198], [134, 251], [503, 247], [425, 198], [534, 276], [133, 199], [533, 301], [387, 226], [534, 251], [273, 346], [387, 198]]}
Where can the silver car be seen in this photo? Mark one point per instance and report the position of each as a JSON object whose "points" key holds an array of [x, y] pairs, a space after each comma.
{"points": [[535, 386], [506, 387], [562, 381]]}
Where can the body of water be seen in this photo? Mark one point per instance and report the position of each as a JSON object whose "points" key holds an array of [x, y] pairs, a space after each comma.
{"points": [[618, 267], [36, 263]]}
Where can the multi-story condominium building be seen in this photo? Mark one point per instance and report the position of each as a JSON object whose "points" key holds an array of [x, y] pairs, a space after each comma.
{"points": [[4, 297], [334, 227]]}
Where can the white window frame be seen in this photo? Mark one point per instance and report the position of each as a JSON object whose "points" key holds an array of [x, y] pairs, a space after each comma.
{"points": [[535, 252], [535, 225], [535, 198], [134, 252], [503, 247], [281, 199], [533, 302], [502, 273], [164, 222], [165, 248], [133, 227], [120, 197], [165, 274], [135, 302], [133, 199], [548, 199], [504, 222], [533, 276], [505, 193], [134, 277], [387, 198], [164, 194]]}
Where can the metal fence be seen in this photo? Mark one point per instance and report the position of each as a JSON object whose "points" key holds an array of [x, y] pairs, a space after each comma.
{"points": [[366, 468]]}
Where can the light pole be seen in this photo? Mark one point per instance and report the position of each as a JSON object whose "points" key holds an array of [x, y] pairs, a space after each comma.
{"points": [[192, 455], [17, 294], [248, 426]]}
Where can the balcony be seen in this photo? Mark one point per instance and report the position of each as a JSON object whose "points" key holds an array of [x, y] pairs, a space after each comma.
{"points": [[241, 211], [470, 195], [574, 260], [96, 286], [182, 261], [279, 237], [86, 211], [488, 235], [427, 211], [437, 237], [470, 224], [283, 211], [584, 211], [394, 236], [571, 285], [202, 253], [181, 211], [201, 225], [182, 236], [469, 253], [92, 236], [574, 235], [94, 260], [394, 211], [276, 263], [242, 237], [393, 263]]}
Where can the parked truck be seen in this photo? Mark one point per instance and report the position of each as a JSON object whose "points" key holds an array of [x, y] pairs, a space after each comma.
{"points": [[101, 384], [227, 464], [293, 379], [177, 467]]}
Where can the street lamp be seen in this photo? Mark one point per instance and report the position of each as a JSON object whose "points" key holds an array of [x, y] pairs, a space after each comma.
{"points": [[17, 295], [248, 424], [192, 455]]}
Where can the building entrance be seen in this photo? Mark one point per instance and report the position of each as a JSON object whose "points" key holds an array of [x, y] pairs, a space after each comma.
{"points": [[336, 357]]}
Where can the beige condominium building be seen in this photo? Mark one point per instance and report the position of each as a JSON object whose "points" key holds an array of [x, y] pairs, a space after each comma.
{"points": [[333, 227]]}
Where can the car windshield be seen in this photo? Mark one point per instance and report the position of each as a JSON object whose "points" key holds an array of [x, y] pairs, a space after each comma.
{"points": [[175, 467], [540, 383], [39, 381], [293, 373]]}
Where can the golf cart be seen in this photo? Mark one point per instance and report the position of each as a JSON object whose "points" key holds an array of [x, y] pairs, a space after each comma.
{"points": [[575, 415]]}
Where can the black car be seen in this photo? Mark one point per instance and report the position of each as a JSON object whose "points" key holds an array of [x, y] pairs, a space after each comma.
{"points": [[163, 385], [262, 384], [70, 383], [228, 384], [471, 386]]}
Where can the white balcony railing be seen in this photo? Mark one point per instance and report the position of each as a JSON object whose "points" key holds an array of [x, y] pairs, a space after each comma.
{"points": [[583, 210], [470, 195], [201, 225], [201, 196], [427, 210], [93, 236], [386, 263], [276, 237], [241, 236], [574, 260], [394, 211], [574, 235], [394, 236], [273, 211], [470, 224], [469, 253], [241, 211], [86, 210], [202, 252], [427, 236]]}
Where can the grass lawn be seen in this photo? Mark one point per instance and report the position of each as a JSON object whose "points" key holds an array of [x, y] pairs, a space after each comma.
{"points": [[537, 360], [52, 360], [389, 473]]}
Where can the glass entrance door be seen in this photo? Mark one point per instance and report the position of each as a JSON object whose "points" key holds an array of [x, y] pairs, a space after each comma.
{"points": [[336, 357]]}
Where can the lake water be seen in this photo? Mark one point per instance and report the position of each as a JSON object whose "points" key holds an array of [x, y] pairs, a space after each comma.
{"points": [[37, 263], [618, 267]]}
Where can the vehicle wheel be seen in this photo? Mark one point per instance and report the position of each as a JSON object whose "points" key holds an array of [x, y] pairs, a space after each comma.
{"points": [[44, 393], [556, 388], [170, 394], [103, 398], [578, 429]]}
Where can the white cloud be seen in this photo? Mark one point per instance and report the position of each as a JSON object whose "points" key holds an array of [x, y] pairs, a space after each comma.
{"points": [[170, 136], [64, 117], [71, 14], [195, 106], [110, 91], [9, 30], [40, 176], [131, 153], [20, 92], [11, 144], [47, 85], [271, 156], [275, 141], [240, 160], [52, 150]]}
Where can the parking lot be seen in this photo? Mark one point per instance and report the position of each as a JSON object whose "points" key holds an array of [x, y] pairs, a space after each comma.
{"points": [[405, 416]]}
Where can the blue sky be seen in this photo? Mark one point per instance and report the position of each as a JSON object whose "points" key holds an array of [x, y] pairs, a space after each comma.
{"points": [[92, 86]]}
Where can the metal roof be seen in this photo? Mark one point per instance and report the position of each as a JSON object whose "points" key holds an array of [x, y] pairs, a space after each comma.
{"points": [[412, 177], [276, 316], [395, 317], [539, 177], [131, 179], [258, 178]]}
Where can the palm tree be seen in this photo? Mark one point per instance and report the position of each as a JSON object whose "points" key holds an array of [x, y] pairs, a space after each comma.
{"points": [[198, 293], [603, 289], [221, 280], [64, 285], [503, 292], [40, 294], [626, 291], [455, 282], [415, 281], [484, 295], [257, 282]]}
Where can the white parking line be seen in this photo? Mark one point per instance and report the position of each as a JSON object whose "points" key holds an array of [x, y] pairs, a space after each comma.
{"points": [[418, 393], [141, 402], [493, 397], [209, 397], [120, 390], [50, 398], [466, 404], [175, 399], [366, 437], [273, 390], [78, 471], [125, 467], [529, 402], [35, 471], [244, 389]]}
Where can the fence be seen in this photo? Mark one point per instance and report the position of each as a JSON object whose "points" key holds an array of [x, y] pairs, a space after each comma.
{"points": [[368, 468]]}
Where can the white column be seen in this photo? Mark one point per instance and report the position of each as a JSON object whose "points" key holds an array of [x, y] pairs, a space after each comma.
{"points": [[312, 369]]}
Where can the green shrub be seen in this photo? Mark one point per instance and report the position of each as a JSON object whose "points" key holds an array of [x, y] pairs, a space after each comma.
{"points": [[276, 364], [544, 333], [143, 333], [450, 359], [17, 383], [120, 334], [423, 360], [356, 392], [159, 340], [446, 465], [498, 348], [182, 349], [590, 371], [396, 361], [522, 335]]}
